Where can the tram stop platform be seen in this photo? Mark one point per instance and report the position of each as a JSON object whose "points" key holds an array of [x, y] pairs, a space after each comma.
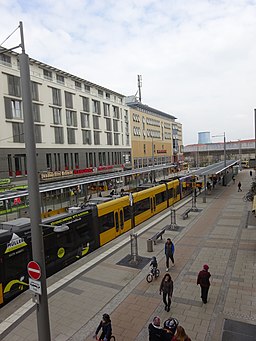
{"points": [[221, 233]]}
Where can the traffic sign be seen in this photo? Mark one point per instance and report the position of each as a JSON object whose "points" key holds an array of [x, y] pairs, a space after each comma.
{"points": [[35, 286], [34, 270]]}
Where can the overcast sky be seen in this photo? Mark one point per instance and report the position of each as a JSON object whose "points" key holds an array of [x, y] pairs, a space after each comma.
{"points": [[197, 58]]}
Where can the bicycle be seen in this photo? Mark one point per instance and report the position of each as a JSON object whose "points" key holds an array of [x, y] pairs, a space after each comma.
{"points": [[248, 196], [154, 273]]}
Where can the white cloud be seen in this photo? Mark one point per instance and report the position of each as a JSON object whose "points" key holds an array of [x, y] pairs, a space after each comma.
{"points": [[196, 57]]}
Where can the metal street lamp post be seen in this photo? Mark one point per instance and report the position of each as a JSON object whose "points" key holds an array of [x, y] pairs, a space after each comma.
{"points": [[43, 323]]}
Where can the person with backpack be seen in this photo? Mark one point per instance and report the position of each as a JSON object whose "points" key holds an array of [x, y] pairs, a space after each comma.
{"points": [[204, 282], [169, 252]]}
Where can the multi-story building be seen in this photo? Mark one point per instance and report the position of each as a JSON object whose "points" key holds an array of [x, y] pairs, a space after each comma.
{"points": [[156, 136], [79, 126]]}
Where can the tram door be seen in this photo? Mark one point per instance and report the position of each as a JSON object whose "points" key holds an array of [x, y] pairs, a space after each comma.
{"points": [[153, 205], [119, 221]]}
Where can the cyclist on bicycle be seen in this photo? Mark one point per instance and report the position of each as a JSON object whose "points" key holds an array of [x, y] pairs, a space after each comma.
{"points": [[154, 265], [105, 325]]}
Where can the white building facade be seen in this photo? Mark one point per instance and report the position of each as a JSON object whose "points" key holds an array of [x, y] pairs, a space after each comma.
{"points": [[79, 126]]}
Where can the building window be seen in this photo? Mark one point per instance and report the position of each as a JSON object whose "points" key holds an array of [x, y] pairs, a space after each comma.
{"points": [[57, 161], [36, 112], [108, 124], [96, 107], [66, 160], [96, 135], [56, 96], [38, 134], [18, 132], [69, 100], [76, 160], [49, 161], [109, 139], [10, 169], [47, 74], [115, 125], [86, 137], [106, 109], [96, 124], [100, 93], [13, 109], [116, 112], [86, 104], [34, 91], [116, 139], [144, 148], [85, 122], [58, 133], [5, 60], [56, 115], [60, 79], [87, 88], [71, 136], [78, 85], [13, 86], [107, 95], [71, 118]]}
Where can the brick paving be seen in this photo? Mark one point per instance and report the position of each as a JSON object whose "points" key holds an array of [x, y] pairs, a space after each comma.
{"points": [[216, 235]]}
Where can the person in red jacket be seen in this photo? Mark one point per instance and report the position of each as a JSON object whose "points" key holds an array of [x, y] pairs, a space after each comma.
{"points": [[204, 282]]}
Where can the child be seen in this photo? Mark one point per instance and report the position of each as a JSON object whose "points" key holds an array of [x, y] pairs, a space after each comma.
{"points": [[154, 264]]}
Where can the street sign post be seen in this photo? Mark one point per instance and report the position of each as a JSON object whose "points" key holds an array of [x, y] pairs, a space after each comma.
{"points": [[34, 270], [35, 286]]}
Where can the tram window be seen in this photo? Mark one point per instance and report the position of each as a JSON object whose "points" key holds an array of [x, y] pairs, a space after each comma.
{"points": [[15, 264], [84, 232], [142, 206], [122, 219], [106, 222], [160, 197], [170, 193], [117, 222], [127, 213]]}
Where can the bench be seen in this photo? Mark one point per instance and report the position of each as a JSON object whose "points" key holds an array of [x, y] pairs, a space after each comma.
{"points": [[159, 234], [185, 214]]}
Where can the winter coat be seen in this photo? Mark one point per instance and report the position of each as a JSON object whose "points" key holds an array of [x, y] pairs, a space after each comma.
{"points": [[155, 332], [203, 278]]}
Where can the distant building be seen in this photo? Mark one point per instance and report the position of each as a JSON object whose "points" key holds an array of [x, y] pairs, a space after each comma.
{"points": [[156, 136], [204, 137]]}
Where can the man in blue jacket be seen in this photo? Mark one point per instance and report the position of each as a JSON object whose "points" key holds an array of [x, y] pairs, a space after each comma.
{"points": [[169, 252]]}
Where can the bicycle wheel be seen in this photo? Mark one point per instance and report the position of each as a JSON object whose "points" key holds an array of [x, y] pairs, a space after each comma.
{"points": [[149, 278], [157, 273]]}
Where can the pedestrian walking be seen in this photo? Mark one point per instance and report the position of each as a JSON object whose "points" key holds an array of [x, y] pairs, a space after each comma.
{"points": [[169, 329], [180, 335], [155, 330], [204, 282], [169, 252], [166, 287], [105, 325], [239, 185], [234, 179], [250, 173]]}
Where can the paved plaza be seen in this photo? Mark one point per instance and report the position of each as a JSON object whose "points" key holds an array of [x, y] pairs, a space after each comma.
{"points": [[222, 234]]}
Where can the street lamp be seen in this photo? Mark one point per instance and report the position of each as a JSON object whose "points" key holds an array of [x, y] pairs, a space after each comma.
{"points": [[225, 155]]}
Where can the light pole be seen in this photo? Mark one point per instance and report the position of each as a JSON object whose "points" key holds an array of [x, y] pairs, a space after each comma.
{"points": [[133, 235], [225, 155], [43, 323]]}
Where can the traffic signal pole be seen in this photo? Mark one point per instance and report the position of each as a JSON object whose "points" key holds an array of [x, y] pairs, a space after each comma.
{"points": [[43, 323]]}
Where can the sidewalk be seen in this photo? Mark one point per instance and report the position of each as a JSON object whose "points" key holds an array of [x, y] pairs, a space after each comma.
{"points": [[216, 235]]}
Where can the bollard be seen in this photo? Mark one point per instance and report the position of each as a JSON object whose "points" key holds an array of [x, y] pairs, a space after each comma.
{"points": [[150, 245]]}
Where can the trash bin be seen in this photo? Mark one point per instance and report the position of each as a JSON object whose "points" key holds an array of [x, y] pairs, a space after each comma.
{"points": [[150, 245]]}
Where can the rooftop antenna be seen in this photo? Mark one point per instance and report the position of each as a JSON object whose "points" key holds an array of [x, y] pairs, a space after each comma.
{"points": [[139, 86]]}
